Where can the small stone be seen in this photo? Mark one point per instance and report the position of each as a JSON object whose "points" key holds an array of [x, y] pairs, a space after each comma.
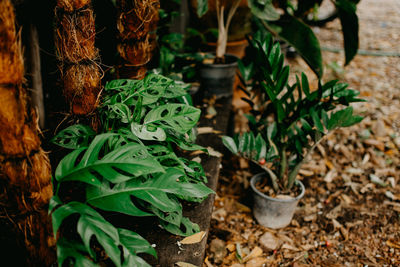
{"points": [[269, 242]]}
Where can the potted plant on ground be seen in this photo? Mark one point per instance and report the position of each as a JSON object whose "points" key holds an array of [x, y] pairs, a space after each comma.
{"points": [[286, 123], [129, 168], [217, 75]]}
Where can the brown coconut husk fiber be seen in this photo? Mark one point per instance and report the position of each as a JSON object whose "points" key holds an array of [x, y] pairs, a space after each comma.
{"points": [[72, 5], [137, 53], [25, 185], [75, 36], [132, 72], [11, 61], [82, 87], [136, 17]]}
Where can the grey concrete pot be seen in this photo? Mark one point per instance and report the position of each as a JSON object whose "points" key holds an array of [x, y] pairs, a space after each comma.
{"points": [[273, 212]]}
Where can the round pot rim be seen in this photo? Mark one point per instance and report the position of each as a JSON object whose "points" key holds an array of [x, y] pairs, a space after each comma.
{"points": [[231, 43], [260, 175], [225, 65]]}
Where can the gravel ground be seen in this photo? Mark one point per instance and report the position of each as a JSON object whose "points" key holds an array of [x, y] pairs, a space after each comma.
{"points": [[350, 215]]}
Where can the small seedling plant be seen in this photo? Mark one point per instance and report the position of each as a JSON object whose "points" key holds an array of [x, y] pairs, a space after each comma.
{"points": [[289, 119], [130, 167]]}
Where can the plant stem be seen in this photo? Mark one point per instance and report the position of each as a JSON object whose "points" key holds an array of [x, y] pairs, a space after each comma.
{"points": [[272, 176]]}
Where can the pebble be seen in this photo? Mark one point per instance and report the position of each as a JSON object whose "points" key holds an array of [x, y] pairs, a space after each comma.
{"points": [[269, 242]]}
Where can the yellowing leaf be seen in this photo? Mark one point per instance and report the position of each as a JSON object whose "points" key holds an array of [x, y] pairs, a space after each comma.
{"points": [[196, 238], [184, 264]]}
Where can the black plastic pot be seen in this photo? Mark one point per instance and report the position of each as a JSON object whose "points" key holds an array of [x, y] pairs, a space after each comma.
{"points": [[218, 79]]}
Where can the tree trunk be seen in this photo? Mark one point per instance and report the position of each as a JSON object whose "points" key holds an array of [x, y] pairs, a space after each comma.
{"points": [[25, 177], [75, 38], [136, 23]]}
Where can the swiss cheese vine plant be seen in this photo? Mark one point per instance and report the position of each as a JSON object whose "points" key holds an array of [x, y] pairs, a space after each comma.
{"points": [[130, 168], [289, 119]]}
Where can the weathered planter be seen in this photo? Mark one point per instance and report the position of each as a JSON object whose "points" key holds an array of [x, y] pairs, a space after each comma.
{"points": [[273, 212], [218, 79]]}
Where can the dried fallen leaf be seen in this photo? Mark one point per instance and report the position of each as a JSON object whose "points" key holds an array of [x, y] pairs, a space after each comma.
{"points": [[256, 252], [207, 130], [256, 262], [214, 153], [184, 264], [196, 238], [393, 244]]}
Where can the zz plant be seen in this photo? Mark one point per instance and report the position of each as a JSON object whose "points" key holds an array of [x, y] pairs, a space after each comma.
{"points": [[290, 119], [129, 168]]}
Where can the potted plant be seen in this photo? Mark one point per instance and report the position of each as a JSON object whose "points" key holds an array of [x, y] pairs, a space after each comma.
{"points": [[129, 168], [286, 123], [217, 75]]}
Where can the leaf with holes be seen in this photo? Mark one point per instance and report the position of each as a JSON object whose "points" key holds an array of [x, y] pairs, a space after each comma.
{"points": [[121, 164], [148, 132], [158, 191], [178, 117], [73, 137]]}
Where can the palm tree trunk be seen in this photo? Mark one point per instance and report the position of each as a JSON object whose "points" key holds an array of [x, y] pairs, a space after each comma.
{"points": [[137, 23], [76, 51], [25, 176]]}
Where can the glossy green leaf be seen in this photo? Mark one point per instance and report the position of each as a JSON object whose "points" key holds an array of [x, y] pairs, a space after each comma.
{"points": [[302, 38], [134, 243], [202, 7], [178, 117], [122, 164], [263, 9], [154, 191], [148, 132], [73, 251], [189, 228], [73, 137], [349, 21]]}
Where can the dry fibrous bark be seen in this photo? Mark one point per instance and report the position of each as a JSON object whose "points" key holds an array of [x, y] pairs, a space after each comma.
{"points": [[25, 176], [137, 23], [75, 44]]}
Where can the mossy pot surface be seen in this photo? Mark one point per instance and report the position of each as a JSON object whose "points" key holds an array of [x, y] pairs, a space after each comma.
{"points": [[272, 212]]}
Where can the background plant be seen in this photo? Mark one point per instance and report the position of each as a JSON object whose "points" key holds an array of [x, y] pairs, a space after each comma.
{"points": [[290, 119], [129, 168]]}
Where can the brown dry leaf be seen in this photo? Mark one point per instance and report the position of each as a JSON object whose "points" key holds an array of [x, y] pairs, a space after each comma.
{"points": [[242, 208], [184, 264], [290, 247], [207, 130], [335, 212], [393, 244], [256, 252], [376, 143], [196, 238], [207, 262], [256, 262]]}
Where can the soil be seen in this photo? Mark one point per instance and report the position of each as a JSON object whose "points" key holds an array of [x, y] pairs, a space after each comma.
{"points": [[350, 214]]}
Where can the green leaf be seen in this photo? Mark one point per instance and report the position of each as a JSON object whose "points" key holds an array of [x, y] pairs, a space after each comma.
{"points": [[64, 211], [105, 233], [73, 137], [121, 164], [155, 191], [148, 132], [349, 20], [72, 250], [133, 260], [202, 7], [316, 120], [134, 243], [189, 228], [121, 84], [302, 38], [178, 117], [263, 9]]}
